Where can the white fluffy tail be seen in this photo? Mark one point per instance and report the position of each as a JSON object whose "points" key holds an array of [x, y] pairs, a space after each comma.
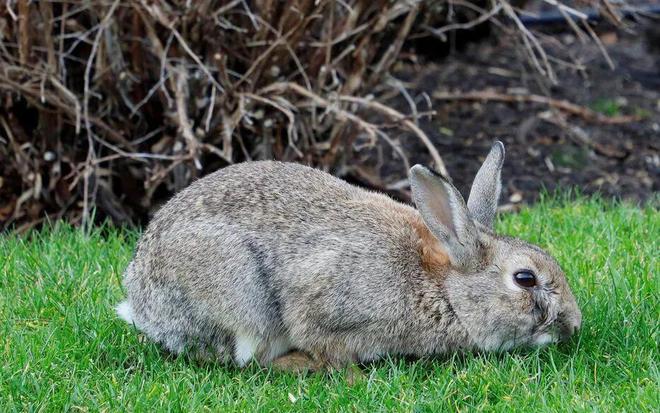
{"points": [[125, 312]]}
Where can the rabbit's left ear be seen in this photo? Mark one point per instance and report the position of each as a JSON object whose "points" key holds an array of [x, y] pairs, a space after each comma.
{"points": [[486, 188], [445, 214]]}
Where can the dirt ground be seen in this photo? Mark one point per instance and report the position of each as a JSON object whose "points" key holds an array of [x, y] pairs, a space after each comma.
{"points": [[546, 147]]}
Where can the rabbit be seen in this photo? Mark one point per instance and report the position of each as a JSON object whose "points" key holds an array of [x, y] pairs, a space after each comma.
{"points": [[290, 266]]}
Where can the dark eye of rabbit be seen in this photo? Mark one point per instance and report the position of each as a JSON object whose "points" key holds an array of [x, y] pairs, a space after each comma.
{"points": [[525, 278]]}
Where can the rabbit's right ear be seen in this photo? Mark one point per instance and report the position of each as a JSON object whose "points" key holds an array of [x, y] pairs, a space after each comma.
{"points": [[486, 187], [445, 214]]}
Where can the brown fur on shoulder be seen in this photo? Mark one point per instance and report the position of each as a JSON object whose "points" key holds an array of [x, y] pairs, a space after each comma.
{"points": [[433, 257]]}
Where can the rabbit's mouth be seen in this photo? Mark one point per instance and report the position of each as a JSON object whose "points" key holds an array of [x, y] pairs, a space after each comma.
{"points": [[541, 339], [544, 339], [529, 340], [544, 334]]}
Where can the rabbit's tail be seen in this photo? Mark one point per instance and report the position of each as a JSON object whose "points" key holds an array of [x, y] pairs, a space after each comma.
{"points": [[125, 312]]}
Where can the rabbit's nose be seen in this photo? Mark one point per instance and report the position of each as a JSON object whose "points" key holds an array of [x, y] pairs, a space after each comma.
{"points": [[575, 327], [576, 322], [568, 325], [566, 331], [569, 319]]}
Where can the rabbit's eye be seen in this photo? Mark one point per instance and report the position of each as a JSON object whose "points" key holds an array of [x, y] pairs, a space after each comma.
{"points": [[525, 278]]}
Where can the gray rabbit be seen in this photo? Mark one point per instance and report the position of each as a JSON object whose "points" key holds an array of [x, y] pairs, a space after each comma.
{"points": [[288, 265]]}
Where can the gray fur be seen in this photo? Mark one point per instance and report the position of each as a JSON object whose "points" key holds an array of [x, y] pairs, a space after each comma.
{"points": [[271, 257], [485, 191]]}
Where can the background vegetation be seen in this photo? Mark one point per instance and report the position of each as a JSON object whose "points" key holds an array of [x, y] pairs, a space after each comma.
{"points": [[118, 104]]}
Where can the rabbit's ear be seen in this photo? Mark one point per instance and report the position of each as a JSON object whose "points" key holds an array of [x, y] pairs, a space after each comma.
{"points": [[485, 192], [444, 212]]}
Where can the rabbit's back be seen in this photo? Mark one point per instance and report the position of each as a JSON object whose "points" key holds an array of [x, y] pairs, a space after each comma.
{"points": [[271, 196], [286, 205]]}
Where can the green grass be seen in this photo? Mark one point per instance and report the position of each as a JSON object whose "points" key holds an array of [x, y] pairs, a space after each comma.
{"points": [[609, 107], [61, 347], [616, 107]]}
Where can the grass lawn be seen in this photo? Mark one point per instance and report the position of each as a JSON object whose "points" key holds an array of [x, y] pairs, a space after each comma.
{"points": [[62, 348]]}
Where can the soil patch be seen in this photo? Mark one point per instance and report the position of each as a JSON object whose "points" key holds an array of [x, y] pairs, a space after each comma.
{"points": [[546, 147]]}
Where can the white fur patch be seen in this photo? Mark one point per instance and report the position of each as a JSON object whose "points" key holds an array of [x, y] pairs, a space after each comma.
{"points": [[543, 339], [125, 312], [244, 347]]}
